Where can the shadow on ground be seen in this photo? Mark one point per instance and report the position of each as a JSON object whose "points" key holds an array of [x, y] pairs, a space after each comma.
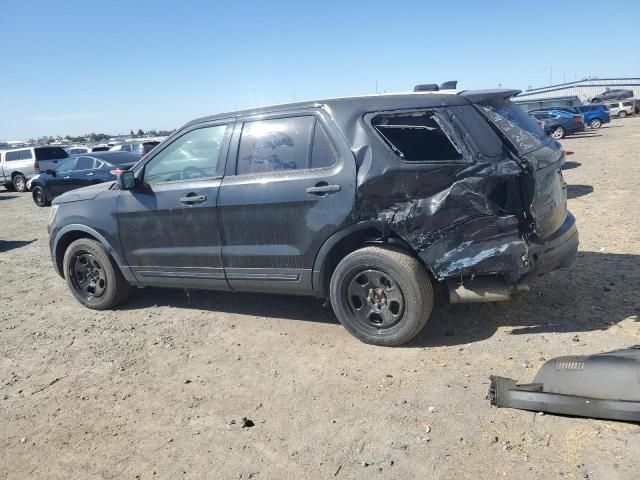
{"points": [[575, 191], [8, 197], [6, 245], [584, 135], [570, 165], [598, 290]]}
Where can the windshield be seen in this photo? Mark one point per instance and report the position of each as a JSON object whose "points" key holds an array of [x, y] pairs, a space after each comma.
{"points": [[519, 128]]}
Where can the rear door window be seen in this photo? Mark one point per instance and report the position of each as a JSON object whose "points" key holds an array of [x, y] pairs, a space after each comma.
{"points": [[323, 153], [275, 145], [520, 129], [416, 137], [84, 163]]}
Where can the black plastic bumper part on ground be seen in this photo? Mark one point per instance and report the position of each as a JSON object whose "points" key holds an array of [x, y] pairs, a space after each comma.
{"points": [[604, 385], [504, 392]]}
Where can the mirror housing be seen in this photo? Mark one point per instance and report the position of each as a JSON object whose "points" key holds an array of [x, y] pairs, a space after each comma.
{"points": [[50, 172], [127, 180]]}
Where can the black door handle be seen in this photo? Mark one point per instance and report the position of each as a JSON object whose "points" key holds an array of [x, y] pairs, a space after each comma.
{"points": [[323, 188], [193, 198]]}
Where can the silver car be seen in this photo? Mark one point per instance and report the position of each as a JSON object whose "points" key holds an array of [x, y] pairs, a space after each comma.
{"points": [[621, 109], [18, 165]]}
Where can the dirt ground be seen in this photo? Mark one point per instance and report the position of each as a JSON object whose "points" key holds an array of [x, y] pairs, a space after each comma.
{"points": [[159, 388]]}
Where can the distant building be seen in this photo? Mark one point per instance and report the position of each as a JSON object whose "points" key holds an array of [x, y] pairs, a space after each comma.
{"points": [[574, 93]]}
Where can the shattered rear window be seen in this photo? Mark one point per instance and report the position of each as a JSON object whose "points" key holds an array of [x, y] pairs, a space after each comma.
{"points": [[521, 130], [416, 137]]}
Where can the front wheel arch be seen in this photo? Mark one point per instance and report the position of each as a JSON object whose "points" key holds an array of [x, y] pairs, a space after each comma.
{"points": [[70, 233]]}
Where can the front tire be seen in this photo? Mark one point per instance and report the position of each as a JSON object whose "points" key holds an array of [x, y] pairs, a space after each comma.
{"points": [[40, 196], [558, 133], [92, 276], [20, 183], [595, 123], [381, 296], [622, 114]]}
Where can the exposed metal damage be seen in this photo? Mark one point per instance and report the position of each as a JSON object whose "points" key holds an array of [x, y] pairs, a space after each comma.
{"points": [[484, 222]]}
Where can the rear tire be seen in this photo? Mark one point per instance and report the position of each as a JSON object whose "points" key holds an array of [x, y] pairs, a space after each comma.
{"points": [[92, 276], [381, 296], [558, 133], [622, 114], [20, 183], [40, 196], [595, 123]]}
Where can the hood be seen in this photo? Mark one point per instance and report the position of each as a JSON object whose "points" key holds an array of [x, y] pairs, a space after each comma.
{"points": [[86, 193]]}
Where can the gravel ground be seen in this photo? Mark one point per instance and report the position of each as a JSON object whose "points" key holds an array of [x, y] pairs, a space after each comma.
{"points": [[159, 388]]}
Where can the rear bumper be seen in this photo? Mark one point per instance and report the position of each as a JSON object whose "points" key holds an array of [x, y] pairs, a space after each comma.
{"points": [[557, 251]]}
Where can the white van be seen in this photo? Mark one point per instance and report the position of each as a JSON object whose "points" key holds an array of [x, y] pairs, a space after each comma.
{"points": [[18, 165]]}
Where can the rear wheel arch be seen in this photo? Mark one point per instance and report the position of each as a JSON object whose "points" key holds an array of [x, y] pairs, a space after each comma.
{"points": [[348, 240]]}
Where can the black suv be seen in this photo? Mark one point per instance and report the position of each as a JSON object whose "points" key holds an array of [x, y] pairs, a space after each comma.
{"points": [[371, 201], [613, 94]]}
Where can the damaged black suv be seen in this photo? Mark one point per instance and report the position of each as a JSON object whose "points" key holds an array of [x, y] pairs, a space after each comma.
{"points": [[370, 201]]}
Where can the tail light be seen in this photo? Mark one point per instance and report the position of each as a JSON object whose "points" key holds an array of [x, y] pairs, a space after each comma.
{"points": [[577, 119], [36, 166]]}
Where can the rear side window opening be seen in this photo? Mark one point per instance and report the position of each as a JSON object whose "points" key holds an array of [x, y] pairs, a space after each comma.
{"points": [[416, 137]]}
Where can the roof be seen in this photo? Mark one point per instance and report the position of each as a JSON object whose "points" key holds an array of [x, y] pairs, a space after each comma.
{"points": [[373, 102]]}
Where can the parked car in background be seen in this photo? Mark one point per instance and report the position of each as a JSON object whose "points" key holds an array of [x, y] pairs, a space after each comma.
{"points": [[73, 151], [125, 147], [613, 94], [559, 124], [99, 148], [594, 116], [145, 147], [368, 201], [18, 165], [622, 109], [79, 171]]}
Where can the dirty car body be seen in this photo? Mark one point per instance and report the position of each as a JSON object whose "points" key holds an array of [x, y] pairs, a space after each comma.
{"points": [[464, 182]]}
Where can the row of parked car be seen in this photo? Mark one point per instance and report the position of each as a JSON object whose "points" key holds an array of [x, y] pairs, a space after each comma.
{"points": [[567, 120], [51, 170]]}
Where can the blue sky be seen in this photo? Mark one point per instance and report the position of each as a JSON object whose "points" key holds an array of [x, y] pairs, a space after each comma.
{"points": [[72, 67]]}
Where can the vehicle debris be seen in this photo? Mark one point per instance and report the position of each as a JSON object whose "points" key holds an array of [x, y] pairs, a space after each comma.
{"points": [[603, 385]]}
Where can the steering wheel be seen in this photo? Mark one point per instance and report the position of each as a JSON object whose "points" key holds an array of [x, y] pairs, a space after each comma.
{"points": [[191, 173]]}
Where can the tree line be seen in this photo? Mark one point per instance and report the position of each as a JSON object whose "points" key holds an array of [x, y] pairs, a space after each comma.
{"points": [[98, 137]]}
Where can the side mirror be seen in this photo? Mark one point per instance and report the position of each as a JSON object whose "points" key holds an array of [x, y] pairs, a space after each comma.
{"points": [[51, 172], [127, 180]]}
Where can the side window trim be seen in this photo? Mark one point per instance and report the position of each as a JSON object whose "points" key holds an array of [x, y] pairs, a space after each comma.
{"points": [[222, 159]]}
